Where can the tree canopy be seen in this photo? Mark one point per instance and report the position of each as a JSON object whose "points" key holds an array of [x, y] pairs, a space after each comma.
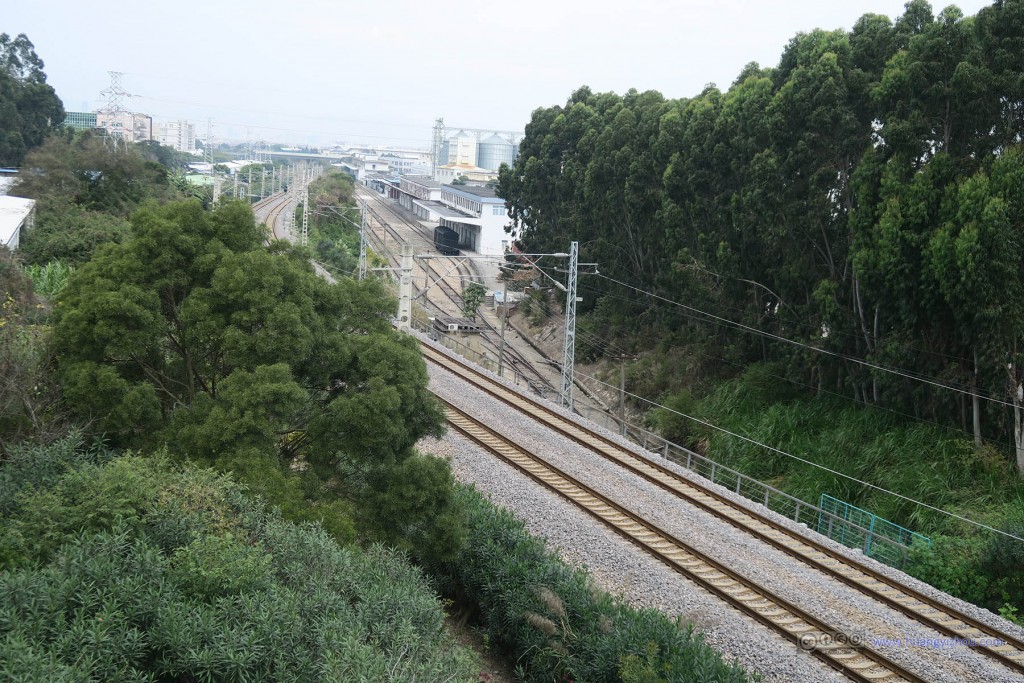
{"points": [[194, 335], [857, 198], [29, 107]]}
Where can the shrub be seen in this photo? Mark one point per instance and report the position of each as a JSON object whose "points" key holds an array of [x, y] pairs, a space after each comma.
{"points": [[176, 575], [554, 622]]}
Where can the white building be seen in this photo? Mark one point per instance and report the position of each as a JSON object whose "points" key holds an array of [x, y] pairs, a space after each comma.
{"points": [[477, 215], [16, 214], [405, 163], [131, 127], [360, 165], [416, 193], [181, 135], [446, 175]]}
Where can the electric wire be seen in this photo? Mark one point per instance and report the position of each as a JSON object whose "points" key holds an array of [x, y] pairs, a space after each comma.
{"points": [[811, 462], [835, 354], [789, 455]]}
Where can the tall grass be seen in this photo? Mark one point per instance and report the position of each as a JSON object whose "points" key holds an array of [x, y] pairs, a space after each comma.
{"points": [[939, 467], [921, 461], [49, 279]]}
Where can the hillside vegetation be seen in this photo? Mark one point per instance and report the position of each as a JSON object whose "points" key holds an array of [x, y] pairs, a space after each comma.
{"points": [[846, 228]]}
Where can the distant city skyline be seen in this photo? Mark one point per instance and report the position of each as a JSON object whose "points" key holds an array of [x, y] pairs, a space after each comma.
{"points": [[323, 72]]}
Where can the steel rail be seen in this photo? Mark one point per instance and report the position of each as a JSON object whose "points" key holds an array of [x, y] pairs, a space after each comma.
{"points": [[913, 603], [841, 651]]}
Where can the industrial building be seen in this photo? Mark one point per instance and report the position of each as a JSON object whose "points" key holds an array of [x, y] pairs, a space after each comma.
{"points": [[477, 215], [475, 148], [80, 120], [131, 127], [181, 135], [359, 165]]}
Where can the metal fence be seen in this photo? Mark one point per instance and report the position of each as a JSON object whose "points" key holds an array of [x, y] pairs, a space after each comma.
{"points": [[871, 535], [857, 528]]}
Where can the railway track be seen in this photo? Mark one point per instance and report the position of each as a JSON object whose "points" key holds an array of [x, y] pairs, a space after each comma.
{"points": [[839, 650], [275, 204], [491, 335], [870, 582]]}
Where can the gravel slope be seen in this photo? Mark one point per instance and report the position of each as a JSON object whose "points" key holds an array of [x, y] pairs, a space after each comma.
{"points": [[621, 568]]}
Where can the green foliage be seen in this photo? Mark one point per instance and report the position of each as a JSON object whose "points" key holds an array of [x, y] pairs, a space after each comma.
{"points": [[334, 221], [192, 334], [29, 108], [554, 622], [30, 399], [70, 234], [953, 565], [49, 279], [879, 447], [862, 198], [637, 669], [473, 295], [175, 575], [670, 422], [168, 157], [93, 176]]}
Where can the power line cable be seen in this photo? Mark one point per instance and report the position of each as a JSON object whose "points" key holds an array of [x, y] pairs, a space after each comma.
{"points": [[834, 354], [814, 464]]}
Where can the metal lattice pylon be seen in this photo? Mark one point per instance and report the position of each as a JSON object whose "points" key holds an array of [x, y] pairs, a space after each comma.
{"points": [[305, 215], [569, 345]]}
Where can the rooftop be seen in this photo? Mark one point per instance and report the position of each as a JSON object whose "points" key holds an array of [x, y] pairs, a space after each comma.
{"points": [[475, 190], [442, 209], [422, 180], [13, 211]]}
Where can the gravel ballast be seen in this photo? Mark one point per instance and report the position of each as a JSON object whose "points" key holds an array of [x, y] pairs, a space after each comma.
{"points": [[623, 569]]}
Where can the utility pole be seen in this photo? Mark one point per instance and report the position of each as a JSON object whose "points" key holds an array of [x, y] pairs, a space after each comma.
{"points": [[208, 143], [622, 395], [436, 147], [217, 183], [248, 190], [504, 317], [305, 215], [362, 243], [569, 344], [236, 185], [405, 290]]}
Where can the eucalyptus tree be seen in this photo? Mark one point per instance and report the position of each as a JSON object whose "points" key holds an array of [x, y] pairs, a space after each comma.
{"points": [[29, 107]]}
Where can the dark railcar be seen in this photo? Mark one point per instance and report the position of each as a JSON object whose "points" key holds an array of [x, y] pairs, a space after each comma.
{"points": [[446, 241]]}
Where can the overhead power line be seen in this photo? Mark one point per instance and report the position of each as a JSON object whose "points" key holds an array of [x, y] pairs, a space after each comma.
{"points": [[806, 461], [835, 354]]}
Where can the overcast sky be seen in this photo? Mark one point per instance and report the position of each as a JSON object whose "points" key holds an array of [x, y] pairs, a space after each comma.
{"points": [[382, 72]]}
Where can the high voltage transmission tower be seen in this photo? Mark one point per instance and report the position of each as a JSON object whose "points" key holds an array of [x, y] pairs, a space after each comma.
{"points": [[115, 112], [208, 142], [115, 94]]}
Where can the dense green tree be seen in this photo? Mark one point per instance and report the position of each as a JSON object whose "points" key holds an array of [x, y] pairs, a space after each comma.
{"points": [[166, 156], [86, 171], [30, 405], [193, 334], [29, 108], [70, 233], [842, 200], [472, 296]]}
